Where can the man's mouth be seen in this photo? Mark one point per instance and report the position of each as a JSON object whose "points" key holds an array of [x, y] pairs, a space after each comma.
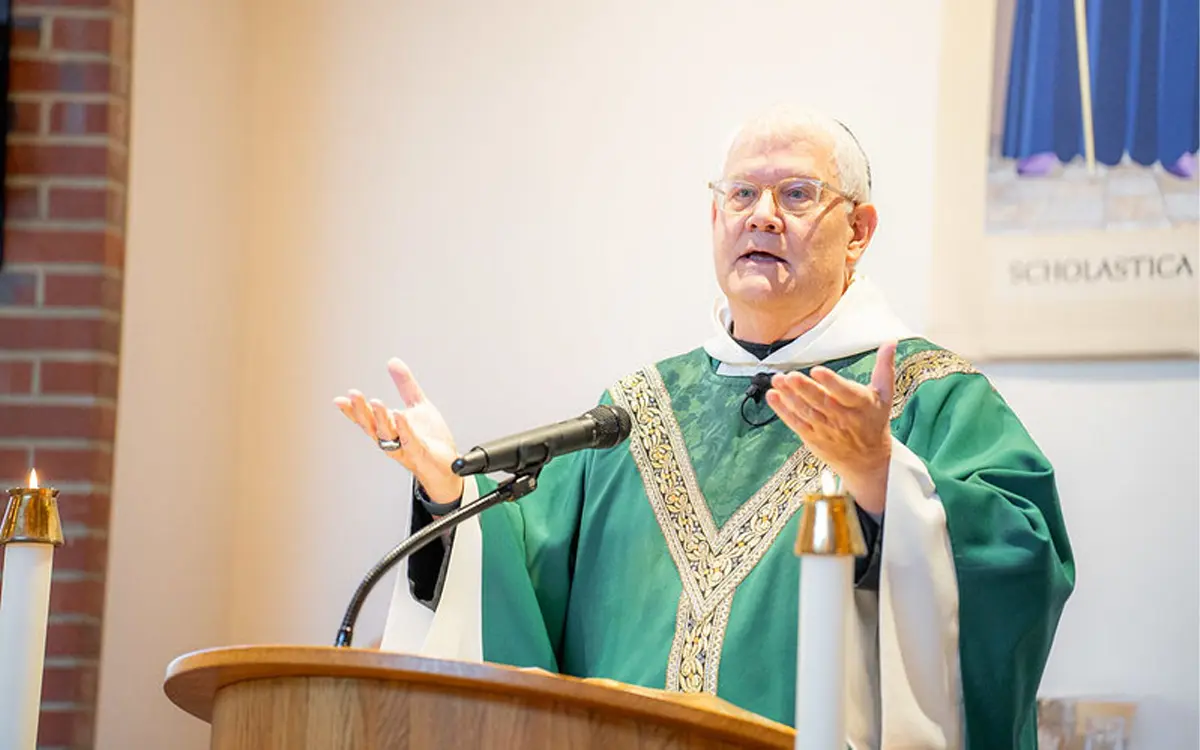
{"points": [[761, 256]]}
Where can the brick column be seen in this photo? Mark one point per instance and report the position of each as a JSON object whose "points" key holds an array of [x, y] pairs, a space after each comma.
{"points": [[60, 312]]}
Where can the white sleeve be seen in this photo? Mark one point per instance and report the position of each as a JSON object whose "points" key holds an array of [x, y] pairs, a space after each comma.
{"points": [[454, 630], [904, 681]]}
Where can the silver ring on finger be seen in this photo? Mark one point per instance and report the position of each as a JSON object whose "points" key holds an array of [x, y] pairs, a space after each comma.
{"points": [[390, 445]]}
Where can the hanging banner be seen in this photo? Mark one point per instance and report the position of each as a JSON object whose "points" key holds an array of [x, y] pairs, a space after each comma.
{"points": [[1067, 209]]}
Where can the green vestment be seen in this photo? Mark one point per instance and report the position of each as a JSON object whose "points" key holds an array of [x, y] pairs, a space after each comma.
{"points": [[667, 561]]}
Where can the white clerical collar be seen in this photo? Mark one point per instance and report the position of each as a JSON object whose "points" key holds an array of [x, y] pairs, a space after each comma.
{"points": [[860, 322]]}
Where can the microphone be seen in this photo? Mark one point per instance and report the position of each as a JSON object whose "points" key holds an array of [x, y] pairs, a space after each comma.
{"points": [[601, 427], [759, 385], [756, 392]]}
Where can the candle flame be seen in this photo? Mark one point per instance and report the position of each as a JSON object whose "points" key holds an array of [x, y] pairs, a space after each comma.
{"points": [[33, 485], [829, 483]]}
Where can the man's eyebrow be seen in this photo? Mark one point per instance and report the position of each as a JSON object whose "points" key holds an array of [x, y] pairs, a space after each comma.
{"points": [[741, 177]]}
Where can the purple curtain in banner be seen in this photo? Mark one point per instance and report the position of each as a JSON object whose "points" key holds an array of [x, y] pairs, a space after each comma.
{"points": [[1144, 80]]}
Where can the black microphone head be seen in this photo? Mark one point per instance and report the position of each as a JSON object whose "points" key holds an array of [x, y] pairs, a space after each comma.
{"points": [[759, 385], [612, 425]]}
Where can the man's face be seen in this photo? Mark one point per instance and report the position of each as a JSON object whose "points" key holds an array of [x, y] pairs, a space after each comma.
{"points": [[767, 257]]}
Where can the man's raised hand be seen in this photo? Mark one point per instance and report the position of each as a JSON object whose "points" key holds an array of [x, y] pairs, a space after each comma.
{"points": [[426, 443]]}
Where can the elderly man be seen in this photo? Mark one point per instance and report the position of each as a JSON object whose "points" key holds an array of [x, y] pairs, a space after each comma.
{"points": [[666, 561]]}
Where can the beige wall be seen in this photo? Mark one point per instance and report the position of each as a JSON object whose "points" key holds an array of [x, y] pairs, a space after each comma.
{"points": [[174, 489], [513, 199]]}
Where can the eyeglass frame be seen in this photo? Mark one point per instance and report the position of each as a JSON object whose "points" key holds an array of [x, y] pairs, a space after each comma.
{"points": [[823, 185]]}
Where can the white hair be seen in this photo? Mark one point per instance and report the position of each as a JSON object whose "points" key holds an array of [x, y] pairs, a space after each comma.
{"points": [[853, 169]]}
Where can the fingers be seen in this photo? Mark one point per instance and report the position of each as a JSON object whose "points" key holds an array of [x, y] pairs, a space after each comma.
{"points": [[845, 392], [355, 408], [782, 407], [406, 383], [404, 433], [806, 396], [883, 377], [799, 384], [385, 429], [362, 412], [345, 407]]}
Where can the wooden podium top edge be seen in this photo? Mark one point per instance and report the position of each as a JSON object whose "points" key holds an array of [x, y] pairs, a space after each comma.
{"points": [[192, 682]]}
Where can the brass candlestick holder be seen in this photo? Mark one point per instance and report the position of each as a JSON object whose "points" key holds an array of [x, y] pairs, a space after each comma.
{"points": [[32, 517], [829, 523]]}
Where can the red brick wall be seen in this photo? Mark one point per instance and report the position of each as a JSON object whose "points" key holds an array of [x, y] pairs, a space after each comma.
{"points": [[60, 312]]}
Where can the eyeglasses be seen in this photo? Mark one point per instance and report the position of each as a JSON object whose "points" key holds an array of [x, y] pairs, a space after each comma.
{"points": [[797, 195]]}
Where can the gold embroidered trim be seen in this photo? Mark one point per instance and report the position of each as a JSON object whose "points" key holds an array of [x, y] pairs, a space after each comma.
{"points": [[695, 658], [923, 367], [711, 562]]}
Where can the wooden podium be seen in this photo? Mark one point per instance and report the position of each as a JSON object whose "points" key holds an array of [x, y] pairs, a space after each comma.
{"points": [[322, 698]]}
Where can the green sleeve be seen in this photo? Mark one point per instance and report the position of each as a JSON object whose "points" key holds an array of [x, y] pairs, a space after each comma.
{"points": [[528, 556], [1012, 557]]}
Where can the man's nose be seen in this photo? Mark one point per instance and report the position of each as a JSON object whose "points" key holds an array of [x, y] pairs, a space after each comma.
{"points": [[765, 216]]}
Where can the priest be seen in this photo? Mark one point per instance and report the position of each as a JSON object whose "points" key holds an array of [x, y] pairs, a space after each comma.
{"points": [[667, 561]]}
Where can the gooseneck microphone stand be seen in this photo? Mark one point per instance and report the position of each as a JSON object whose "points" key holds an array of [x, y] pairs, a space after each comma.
{"points": [[516, 486]]}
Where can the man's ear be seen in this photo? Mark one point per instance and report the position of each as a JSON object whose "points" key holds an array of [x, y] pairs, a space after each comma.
{"points": [[863, 222]]}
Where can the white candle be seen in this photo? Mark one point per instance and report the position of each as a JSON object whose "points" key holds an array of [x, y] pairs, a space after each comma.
{"points": [[821, 662], [828, 542], [29, 532], [24, 609]]}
